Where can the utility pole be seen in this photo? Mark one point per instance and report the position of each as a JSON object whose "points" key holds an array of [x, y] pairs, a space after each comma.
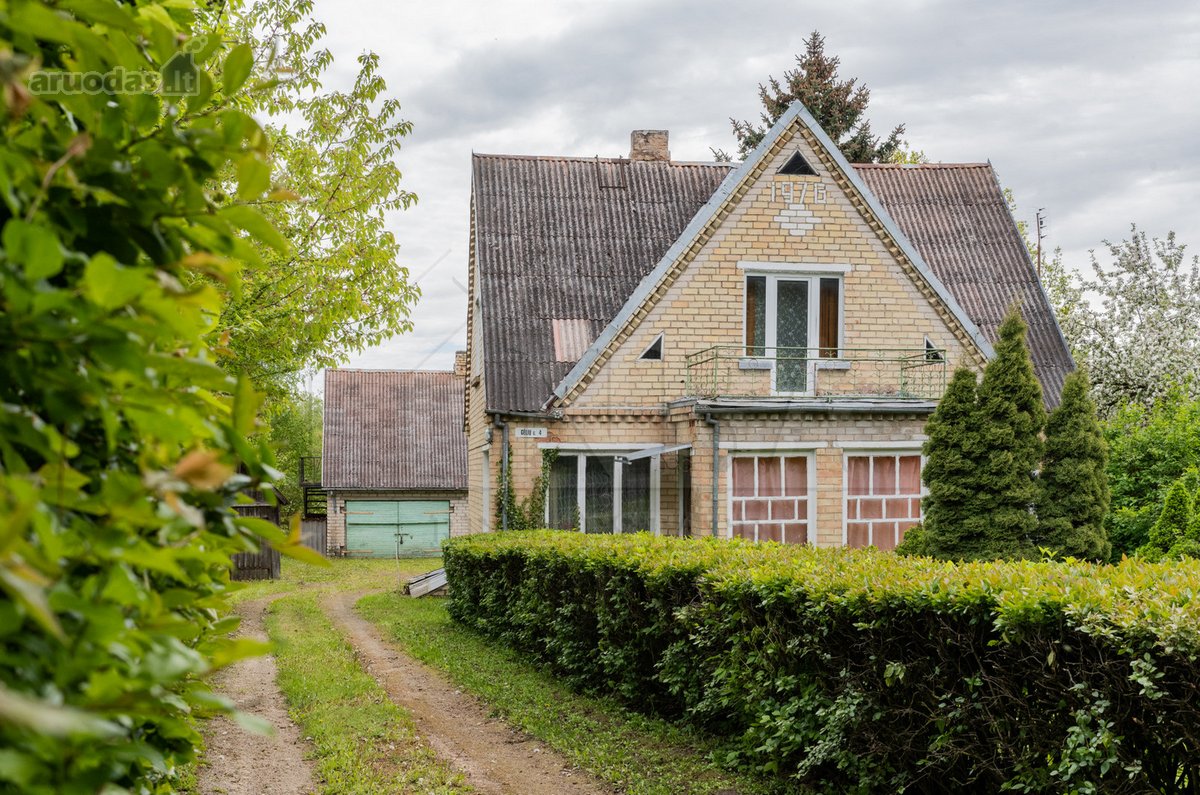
{"points": [[1041, 231]]}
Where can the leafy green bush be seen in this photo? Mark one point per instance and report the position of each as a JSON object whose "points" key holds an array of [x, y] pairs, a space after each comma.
{"points": [[860, 671], [1150, 448], [119, 437]]}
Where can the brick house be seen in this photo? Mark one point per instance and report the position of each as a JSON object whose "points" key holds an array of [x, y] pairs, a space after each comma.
{"points": [[731, 349], [393, 464]]}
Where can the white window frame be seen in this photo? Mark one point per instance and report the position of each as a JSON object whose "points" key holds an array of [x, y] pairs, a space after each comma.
{"points": [[806, 451], [584, 452], [773, 273], [896, 450]]}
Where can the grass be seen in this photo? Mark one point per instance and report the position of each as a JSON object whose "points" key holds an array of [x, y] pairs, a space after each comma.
{"points": [[638, 754], [363, 742], [186, 782], [340, 575]]}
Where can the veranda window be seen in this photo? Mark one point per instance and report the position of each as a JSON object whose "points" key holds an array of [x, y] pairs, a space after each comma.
{"points": [[770, 499], [883, 498], [614, 498]]}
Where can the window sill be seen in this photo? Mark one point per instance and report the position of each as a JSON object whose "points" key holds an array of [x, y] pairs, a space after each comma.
{"points": [[751, 363], [833, 364]]}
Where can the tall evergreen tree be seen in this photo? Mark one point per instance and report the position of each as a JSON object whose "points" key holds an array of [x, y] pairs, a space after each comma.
{"points": [[837, 105], [1011, 419], [952, 455], [1074, 484]]}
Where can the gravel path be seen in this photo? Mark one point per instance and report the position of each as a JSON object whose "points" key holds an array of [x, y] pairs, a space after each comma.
{"points": [[241, 762]]}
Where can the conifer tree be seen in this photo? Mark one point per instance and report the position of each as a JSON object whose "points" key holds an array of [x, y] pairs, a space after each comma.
{"points": [[839, 106], [1172, 524], [1011, 418], [952, 453], [1074, 484]]}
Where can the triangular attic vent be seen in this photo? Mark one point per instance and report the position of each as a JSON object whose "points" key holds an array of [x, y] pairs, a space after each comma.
{"points": [[798, 166], [653, 351]]}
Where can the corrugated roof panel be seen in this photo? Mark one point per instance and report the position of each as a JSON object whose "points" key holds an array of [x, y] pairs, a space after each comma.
{"points": [[394, 429], [571, 338], [552, 242]]}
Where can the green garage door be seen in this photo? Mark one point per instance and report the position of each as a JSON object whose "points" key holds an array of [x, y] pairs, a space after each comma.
{"points": [[372, 527]]}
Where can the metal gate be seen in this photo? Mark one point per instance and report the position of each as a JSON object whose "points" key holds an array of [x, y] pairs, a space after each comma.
{"points": [[396, 528]]}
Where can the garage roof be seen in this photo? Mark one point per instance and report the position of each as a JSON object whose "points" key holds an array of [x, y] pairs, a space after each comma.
{"points": [[394, 430]]}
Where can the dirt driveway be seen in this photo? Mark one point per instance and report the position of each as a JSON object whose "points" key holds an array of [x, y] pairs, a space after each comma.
{"points": [[494, 757], [242, 762]]}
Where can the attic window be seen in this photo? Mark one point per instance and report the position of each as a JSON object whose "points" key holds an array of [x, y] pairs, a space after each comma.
{"points": [[932, 352], [653, 352], [797, 166], [571, 338]]}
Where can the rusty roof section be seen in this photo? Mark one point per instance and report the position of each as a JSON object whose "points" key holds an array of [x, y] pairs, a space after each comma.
{"points": [[561, 238], [957, 217], [394, 429]]}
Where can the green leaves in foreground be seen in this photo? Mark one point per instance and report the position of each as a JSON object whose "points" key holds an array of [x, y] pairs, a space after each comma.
{"points": [[121, 453]]}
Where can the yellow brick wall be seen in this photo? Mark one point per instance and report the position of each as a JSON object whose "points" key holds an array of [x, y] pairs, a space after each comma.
{"points": [[481, 486], [884, 307], [826, 437]]}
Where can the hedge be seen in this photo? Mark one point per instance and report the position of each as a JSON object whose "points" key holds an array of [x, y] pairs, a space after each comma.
{"points": [[861, 671]]}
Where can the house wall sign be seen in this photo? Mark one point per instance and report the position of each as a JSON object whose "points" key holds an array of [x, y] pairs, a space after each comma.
{"points": [[531, 433], [797, 217]]}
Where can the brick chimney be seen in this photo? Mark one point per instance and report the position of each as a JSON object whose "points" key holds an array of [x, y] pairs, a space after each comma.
{"points": [[460, 363], [649, 145]]}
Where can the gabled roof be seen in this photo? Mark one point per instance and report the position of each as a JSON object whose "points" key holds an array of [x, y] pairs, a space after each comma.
{"points": [[394, 429], [957, 217], [589, 238]]}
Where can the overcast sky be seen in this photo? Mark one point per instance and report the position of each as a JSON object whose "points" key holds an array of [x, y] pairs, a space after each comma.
{"points": [[1088, 109]]}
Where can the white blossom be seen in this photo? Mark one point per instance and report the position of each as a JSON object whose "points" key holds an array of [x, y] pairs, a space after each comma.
{"points": [[1134, 326]]}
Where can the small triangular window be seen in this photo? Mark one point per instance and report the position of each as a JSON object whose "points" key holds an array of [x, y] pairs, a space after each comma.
{"points": [[932, 352], [798, 166], [653, 352]]}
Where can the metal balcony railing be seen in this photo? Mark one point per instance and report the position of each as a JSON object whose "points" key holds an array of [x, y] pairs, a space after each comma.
{"points": [[746, 372]]}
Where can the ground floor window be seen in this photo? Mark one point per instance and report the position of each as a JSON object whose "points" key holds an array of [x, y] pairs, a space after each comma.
{"points": [[883, 498], [770, 497], [600, 495]]}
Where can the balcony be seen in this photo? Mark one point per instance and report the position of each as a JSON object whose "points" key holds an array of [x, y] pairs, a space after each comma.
{"points": [[736, 371]]}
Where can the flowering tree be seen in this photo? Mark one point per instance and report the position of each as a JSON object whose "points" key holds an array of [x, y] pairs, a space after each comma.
{"points": [[1139, 337]]}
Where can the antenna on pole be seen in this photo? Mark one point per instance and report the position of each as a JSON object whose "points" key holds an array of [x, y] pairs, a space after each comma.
{"points": [[1041, 232]]}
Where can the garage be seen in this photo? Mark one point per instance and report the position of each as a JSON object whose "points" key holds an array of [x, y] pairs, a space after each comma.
{"points": [[387, 528]]}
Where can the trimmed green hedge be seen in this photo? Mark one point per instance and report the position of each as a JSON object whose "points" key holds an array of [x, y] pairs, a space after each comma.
{"points": [[861, 671]]}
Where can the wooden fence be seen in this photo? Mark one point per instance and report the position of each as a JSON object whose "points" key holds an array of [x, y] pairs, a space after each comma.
{"points": [[263, 565], [313, 536]]}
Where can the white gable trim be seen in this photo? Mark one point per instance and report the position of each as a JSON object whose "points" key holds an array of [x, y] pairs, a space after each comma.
{"points": [[713, 206]]}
